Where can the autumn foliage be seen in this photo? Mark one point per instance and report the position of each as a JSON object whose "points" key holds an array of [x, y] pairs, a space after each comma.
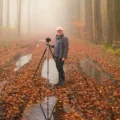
{"points": [[87, 98]]}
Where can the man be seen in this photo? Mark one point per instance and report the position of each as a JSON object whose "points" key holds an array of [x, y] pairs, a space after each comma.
{"points": [[60, 53]]}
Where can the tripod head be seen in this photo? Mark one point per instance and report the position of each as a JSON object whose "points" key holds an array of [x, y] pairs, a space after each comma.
{"points": [[48, 40]]}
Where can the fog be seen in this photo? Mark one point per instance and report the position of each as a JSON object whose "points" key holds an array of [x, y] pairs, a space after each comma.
{"points": [[88, 88], [39, 16], [92, 20]]}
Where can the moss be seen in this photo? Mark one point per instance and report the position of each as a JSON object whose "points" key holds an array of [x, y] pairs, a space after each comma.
{"points": [[117, 51], [112, 50]]}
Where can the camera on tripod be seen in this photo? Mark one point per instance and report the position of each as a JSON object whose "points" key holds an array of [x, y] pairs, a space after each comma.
{"points": [[48, 40]]}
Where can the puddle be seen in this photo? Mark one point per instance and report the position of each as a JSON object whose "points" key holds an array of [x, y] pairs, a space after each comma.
{"points": [[91, 70], [53, 73], [35, 112], [22, 61]]}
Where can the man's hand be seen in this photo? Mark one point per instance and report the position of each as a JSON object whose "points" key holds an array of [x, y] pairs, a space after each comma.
{"points": [[63, 59], [48, 44]]}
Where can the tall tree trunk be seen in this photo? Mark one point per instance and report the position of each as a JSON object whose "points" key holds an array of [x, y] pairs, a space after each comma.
{"points": [[78, 8], [19, 16], [1, 13], [77, 5], [98, 21], [29, 2], [29, 6], [89, 19], [110, 21], [117, 18], [8, 8], [114, 23]]}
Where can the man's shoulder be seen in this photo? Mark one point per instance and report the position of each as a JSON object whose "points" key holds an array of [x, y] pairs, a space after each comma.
{"points": [[65, 37]]}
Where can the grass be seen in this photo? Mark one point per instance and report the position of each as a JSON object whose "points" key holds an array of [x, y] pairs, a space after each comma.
{"points": [[116, 52]]}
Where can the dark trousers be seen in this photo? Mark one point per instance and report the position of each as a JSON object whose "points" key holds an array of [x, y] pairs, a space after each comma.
{"points": [[59, 65]]}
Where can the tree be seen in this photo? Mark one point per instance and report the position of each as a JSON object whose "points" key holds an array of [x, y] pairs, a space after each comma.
{"points": [[1, 13], [110, 20], [8, 8], [117, 18], [19, 15], [78, 8], [97, 21], [29, 3], [89, 19]]}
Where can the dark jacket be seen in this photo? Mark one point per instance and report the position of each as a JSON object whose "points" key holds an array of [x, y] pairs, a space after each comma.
{"points": [[64, 45]]}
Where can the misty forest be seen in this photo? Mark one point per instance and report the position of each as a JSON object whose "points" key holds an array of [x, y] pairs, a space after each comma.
{"points": [[83, 83]]}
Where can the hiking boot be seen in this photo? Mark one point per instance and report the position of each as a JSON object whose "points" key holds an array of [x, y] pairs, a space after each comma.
{"points": [[62, 83]]}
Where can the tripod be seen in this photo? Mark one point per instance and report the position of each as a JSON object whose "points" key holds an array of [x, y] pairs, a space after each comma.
{"points": [[47, 49]]}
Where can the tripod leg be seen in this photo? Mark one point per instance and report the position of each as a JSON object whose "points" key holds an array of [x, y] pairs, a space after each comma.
{"points": [[43, 112], [51, 52], [52, 112], [39, 63]]}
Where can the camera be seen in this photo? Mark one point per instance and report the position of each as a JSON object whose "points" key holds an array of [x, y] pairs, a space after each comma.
{"points": [[48, 40]]}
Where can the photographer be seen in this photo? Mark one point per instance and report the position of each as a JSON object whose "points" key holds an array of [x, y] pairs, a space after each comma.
{"points": [[60, 53]]}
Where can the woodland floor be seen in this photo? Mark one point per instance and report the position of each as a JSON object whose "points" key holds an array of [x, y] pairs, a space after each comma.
{"points": [[88, 99]]}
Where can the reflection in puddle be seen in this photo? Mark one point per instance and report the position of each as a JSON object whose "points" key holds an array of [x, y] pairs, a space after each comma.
{"points": [[35, 112], [91, 70], [22, 61], [53, 73]]}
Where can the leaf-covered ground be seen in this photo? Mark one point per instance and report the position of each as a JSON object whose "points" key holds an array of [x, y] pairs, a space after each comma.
{"points": [[88, 99]]}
